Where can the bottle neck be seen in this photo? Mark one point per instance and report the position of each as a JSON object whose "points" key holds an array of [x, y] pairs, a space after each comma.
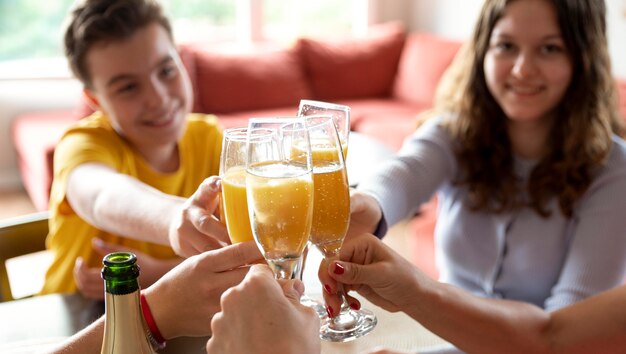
{"points": [[121, 287]]}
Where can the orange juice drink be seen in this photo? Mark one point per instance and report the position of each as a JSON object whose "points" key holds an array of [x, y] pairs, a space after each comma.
{"points": [[331, 212], [282, 209], [236, 205]]}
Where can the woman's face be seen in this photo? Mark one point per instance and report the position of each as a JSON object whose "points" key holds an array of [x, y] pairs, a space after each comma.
{"points": [[527, 65]]}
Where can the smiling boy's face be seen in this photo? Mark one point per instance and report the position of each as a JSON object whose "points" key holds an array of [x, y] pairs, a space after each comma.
{"points": [[141, 85]]}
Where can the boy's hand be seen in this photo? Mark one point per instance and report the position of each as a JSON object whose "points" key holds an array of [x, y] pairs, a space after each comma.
{"points": [[196, 229], [90, 283], [88, 280]]}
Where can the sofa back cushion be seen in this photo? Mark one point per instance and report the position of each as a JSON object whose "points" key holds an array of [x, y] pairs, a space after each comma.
{"points": [[229, 81], [353, 67], [187, 53], [424, 60]]}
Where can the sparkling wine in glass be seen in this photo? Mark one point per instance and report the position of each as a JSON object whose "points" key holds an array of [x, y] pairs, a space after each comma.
{"points": [[331, 218], [279, 184], [341, 117], [234, 199]]}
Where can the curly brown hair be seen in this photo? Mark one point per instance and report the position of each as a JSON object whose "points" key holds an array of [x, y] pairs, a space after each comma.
{"points": [[97, 21], [580, 138]]}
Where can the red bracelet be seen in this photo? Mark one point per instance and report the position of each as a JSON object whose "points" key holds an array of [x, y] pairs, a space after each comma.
{"points": [[156, 335]]}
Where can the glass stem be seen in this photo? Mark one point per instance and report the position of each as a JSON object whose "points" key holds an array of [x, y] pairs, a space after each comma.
{"points": [[345, 306], [299, 271]]}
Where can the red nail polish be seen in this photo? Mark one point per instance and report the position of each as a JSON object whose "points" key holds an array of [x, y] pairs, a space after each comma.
{"points": [[355, 306], [339, 269], [327, 288], [329, 311]]}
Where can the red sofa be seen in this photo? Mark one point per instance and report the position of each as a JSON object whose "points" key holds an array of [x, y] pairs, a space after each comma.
{"points": [[386, 78]]}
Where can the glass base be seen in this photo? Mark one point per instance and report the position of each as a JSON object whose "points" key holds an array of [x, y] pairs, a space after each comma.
{"points": [[348, 325], [315, 305]]}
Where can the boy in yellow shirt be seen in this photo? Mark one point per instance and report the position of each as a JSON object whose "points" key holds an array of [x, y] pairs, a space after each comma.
{"points": [[122, 176]]}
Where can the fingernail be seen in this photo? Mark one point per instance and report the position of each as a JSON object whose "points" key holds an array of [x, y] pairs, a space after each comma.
{"points": [[329, 311], [339, 269], [327, 288], [355, 306]]}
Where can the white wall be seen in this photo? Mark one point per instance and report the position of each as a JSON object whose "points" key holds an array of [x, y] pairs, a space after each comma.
{"points": [[616, 23]]}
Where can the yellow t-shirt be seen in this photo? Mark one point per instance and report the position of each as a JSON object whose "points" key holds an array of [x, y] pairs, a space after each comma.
{"points": [[94, 140]]}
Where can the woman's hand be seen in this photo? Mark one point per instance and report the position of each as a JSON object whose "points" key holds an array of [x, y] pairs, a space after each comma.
{"points": [[376, 272], [365, 213], [184, 300], [196, 229], [263, 315]]}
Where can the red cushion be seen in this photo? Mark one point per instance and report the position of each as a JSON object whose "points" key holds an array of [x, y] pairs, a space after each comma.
{"points": [[35, 135], [423, 62], [353, 67], [187, 55], [392, 135], [232, 82]]}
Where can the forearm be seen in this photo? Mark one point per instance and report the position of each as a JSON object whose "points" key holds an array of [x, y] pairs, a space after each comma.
{"points": [[87, 341], [121, 204], [135, 210], [594, 325], [480, 325]]}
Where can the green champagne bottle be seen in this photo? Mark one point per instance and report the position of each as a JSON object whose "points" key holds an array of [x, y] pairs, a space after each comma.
{"points": [[125, 330]]}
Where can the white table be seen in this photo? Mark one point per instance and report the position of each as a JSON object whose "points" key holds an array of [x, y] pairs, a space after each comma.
{"points": [[37, 324]]}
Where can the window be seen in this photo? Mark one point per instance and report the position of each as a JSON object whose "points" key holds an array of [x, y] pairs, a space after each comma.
{"points": [[31, 29], [202, 20], [31, 32], [285, 20]]}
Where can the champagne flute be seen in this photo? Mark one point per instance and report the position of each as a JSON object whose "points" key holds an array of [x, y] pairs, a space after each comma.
{"points": [[341, 116], [279, 184], [234, 200], [331, 218]]}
